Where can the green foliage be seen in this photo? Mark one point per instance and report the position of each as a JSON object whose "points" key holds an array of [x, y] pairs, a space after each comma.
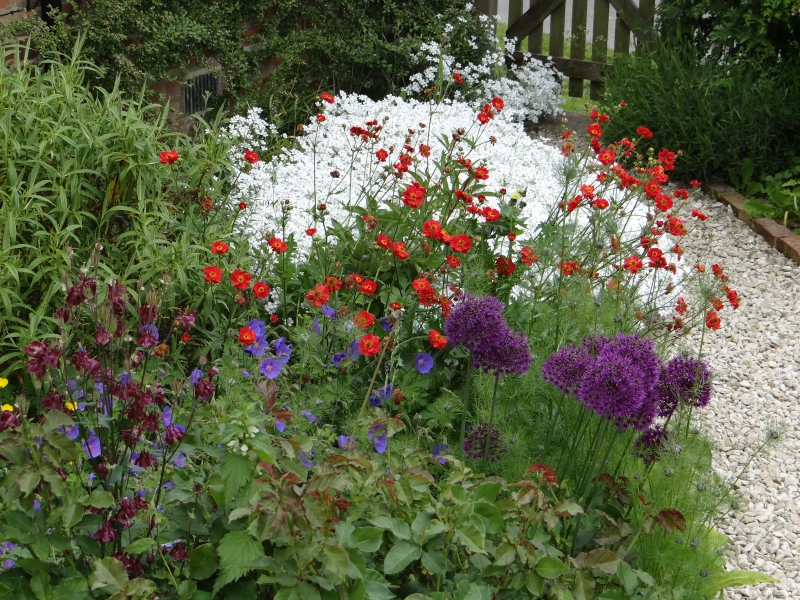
{"points": [[718, 114], [766, 29], [139, 41], [777, 196]]}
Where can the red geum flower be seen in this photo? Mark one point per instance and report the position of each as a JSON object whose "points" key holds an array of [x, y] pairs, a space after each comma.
{"points": [[219, 248], [600, 203], [251, 157], [733, 298], [528, 256], [420, 285], [719, 272], [568, 268], [334, 284], [667, 159], [246, 336], [716, 303], [274, 318], [632, 264], [457, 76], [644, 132], [595, 130], [395, 305], [432, 229], [384, 241], [368, 287], [481, 173], [382, 155], [460, 243], [675, 226], [186, 338], [498, 103], [682, 194], [242, 205], [212, 274], [425, 150], [320, 118], [437, 340], [695, 183], [369, 345], [327, 97], [662, 202], [311, 231], [363, 319], [681, 307], [699, 215], [483, 118], [277, 245], [319, 295], [574, 203], [414, 195], [490, 214], [399, 250], [607, 157], [505, 266], [713, 321], [240, 279], [452, 261], [260, 290], [169, 158], [652, 188]]}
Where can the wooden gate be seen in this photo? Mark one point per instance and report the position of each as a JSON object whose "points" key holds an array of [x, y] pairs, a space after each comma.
{"points": [[631, 20]]}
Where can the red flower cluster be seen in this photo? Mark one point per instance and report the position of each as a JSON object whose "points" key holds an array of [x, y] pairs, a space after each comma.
{"points": [[277, 245], [169, 157], [414, 195], [437, 340], [489, 111]]}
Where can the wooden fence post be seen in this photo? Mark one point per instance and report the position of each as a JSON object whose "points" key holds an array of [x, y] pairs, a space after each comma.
{"points": [[599, 43], [514, 13], [577, 47]]}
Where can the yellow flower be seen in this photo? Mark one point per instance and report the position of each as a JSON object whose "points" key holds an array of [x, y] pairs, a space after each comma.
{"points": [[71, 405], [3, 382], [516, 196], [7, 408]]}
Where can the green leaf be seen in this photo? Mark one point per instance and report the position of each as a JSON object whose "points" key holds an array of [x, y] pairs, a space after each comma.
{"points": [[337, 561], [602, 559], [422, 520], [435, 562], [726, 579], [471, 537], [397, 526], [628, 578], [140, 546], [236, 550], [358, 564], [468, 591], [504, 555], [400, 556], [140, 587], [40, 585], [307, 591], [550, 567], [584, 585], [613, 594], [73, 588], [377, 591], [568, 508], [100, 499], [55, 419], [109, 571], [367, 539], [72, 515], [235, 470], [486, 492], [492, 518], [534, 584], [203, 561]]}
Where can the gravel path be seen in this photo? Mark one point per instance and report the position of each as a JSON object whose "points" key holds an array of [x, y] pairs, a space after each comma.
{"points": [[754, 357]]}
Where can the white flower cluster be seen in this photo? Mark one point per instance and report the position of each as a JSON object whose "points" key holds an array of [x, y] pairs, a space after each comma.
{"points": [[327, 165]]}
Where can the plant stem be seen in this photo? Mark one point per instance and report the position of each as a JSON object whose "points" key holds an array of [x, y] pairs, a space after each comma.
{"points": [[465, 408], [372, 381], [491, 423]]}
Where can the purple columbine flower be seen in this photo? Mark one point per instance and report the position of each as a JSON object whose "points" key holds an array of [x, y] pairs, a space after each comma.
{"points": [[305, 459], [346, 443], [377, 435], [196, 376], [438, 453], [315, 326], [280, 425], [166, 416], [92, 447], [283, 351], [328, 312], [270, 368], [476, 323], [683, 380], [566, 367], [309, 415], [424, 363]]}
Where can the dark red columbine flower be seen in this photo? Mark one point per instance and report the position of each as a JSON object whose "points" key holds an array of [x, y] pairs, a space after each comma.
{"points": [[106, 533], [9, 419], [126, 510], [178, 552], [118, 297], [42, 356], [185, 319], [148, 313], [204, 388], [145, 460], [85, 363]]}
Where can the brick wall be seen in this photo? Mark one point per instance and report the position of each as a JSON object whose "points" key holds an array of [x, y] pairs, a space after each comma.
{"points": [[17, 9]]}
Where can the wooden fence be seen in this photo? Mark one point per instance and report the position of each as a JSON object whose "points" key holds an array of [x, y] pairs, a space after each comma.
{"points": [[631, 20]]}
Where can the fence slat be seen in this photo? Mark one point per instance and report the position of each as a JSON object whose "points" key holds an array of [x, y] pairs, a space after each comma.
{"points": [[514, 13], [647, 8], [577, 47], [599, 42], [536, 40], [558, 19], [622, 37]]}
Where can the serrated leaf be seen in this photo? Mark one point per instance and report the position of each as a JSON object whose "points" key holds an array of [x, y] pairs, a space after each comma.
{"points": [[109, 571], [100, 499], [377, 591], [397, 526], [584, 585], [534, 584], [568, 508], [505, 554], [367, 539], [203, 561], [435, 562], [492, 518], [628, 578], [400, 556], [73, 588], [603, 559], [337, 561], [236, 550], [550, 567], [140, 546], [726, 579], [235, 470], [307, 591], [486, 492], [471, 537]]}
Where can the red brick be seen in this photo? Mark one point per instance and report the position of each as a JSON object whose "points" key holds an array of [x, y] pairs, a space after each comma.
{"points": [[737, 202], [716, 188], [770, 230], [789, 246]]}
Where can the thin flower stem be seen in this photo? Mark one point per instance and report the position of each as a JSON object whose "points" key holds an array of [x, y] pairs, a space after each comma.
{"points": [[372, 381], [466, 403], [491, 423]]}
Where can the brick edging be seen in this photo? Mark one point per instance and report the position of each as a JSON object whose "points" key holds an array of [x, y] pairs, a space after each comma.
{"points": [[776, 235]]}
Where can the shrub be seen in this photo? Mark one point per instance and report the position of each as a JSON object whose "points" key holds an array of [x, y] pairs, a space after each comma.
{"points": [[717, 114]]}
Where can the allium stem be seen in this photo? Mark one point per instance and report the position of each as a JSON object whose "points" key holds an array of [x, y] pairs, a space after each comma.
{"points": [[491, 424], [696, 387], [465, 408]]}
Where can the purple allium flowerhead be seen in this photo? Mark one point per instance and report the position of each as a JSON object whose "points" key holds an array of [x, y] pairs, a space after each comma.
{"points": [[642, 418], [346, 443], [594, 343], [476, 323], [377, 435], [270, 368], [475, 443], [92, 447], [650, 444], [641, 352], [612, 386], [512, 356], [424, 363], [566, 367], [683, 380]]}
